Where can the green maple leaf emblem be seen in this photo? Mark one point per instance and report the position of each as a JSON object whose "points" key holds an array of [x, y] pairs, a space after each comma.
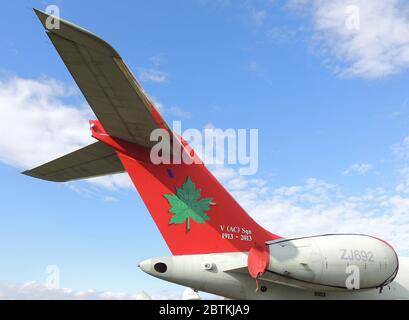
{"points": [[186, 206]]}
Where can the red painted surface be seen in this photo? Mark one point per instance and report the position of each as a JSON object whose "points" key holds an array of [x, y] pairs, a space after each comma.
{"points": [[131, 149], [157, 117], [258, 260], [230, 228]]}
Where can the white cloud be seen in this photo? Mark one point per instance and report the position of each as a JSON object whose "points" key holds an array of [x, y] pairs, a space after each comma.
{"points": [[403, 186], [258, 16], [38, 291], [252, 66], [179, 113], [364, 38], [38, 126], [113, 182], [318, 207], [158, 105], [357, 168], [401, 150], [33, 112], [152, 75]]}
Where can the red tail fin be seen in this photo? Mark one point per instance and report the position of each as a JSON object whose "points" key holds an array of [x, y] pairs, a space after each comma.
{"points": [[192, 210]]}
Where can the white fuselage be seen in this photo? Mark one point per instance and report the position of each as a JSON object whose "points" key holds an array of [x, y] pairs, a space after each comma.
{"points": [[190, 271], [226, 274]]}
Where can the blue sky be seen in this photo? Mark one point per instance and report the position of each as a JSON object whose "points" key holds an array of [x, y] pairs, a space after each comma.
{"points": [[331, 108]]}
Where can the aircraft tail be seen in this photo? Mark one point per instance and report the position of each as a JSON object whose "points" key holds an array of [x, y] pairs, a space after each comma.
{"points": [[192, 210], [94, 160]]}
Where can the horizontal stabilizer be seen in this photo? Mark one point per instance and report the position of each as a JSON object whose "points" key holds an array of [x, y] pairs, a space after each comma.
{"points": [[94, 160], [192, 210], [109, 87]]}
